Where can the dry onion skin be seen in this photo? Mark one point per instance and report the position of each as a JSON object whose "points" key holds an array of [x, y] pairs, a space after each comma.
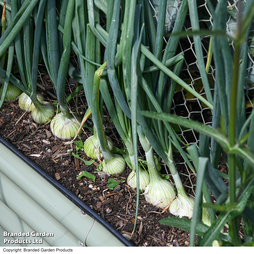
{"points": [[182, 206]]}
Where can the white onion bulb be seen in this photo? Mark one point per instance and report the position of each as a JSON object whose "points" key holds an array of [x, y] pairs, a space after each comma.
{"points": [[43, 113], [91, 146], [159, 192], [64, 127], [115, 165], [143, 179]]}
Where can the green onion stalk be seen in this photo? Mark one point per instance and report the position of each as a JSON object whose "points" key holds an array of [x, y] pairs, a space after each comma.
{"points": [[65, 124], [9, 91], [119, 110], [159, 192], [89, 56], [123, 127], [44, 110], [112, 163], [25, 34]]}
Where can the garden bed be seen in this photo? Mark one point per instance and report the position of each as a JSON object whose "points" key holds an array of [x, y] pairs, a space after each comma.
{"points": [[117, 206]]}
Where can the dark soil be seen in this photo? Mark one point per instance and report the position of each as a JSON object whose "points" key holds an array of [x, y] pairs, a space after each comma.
{"points": [[117, 206]]}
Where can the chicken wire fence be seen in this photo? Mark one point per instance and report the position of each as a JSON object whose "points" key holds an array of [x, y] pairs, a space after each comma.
{"points": [[184, 104]]}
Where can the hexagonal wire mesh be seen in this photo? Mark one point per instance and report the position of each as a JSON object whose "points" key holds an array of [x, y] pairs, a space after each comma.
{"points": [[184, 104]]}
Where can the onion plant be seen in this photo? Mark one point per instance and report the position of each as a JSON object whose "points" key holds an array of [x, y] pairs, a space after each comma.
{"points": [[120, 120], [89, 56], [65, 124], [159, 97], [160, 192], [112, 163], [123, 127]]}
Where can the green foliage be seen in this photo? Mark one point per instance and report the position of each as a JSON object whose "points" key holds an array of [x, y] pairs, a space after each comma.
{"points": [[79, 145], [112, 183], [87, 175]]}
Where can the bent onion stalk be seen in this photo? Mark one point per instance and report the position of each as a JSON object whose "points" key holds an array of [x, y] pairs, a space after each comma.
{"points": [[112, 163]]}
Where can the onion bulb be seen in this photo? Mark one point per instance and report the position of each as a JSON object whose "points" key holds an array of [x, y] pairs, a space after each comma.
{"points": [[64, 127], [159, 192], [206, 217], [182, 206], [12, 92], [115, 165], [143, 179], [91, 146], [43, 113], [26, 103]]}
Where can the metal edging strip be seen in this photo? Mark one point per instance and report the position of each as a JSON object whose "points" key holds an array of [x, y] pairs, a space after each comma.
{"points": [[65, 192]]}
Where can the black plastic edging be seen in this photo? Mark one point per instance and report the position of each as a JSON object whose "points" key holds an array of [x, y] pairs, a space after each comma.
{"points": [[65, 192]]}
